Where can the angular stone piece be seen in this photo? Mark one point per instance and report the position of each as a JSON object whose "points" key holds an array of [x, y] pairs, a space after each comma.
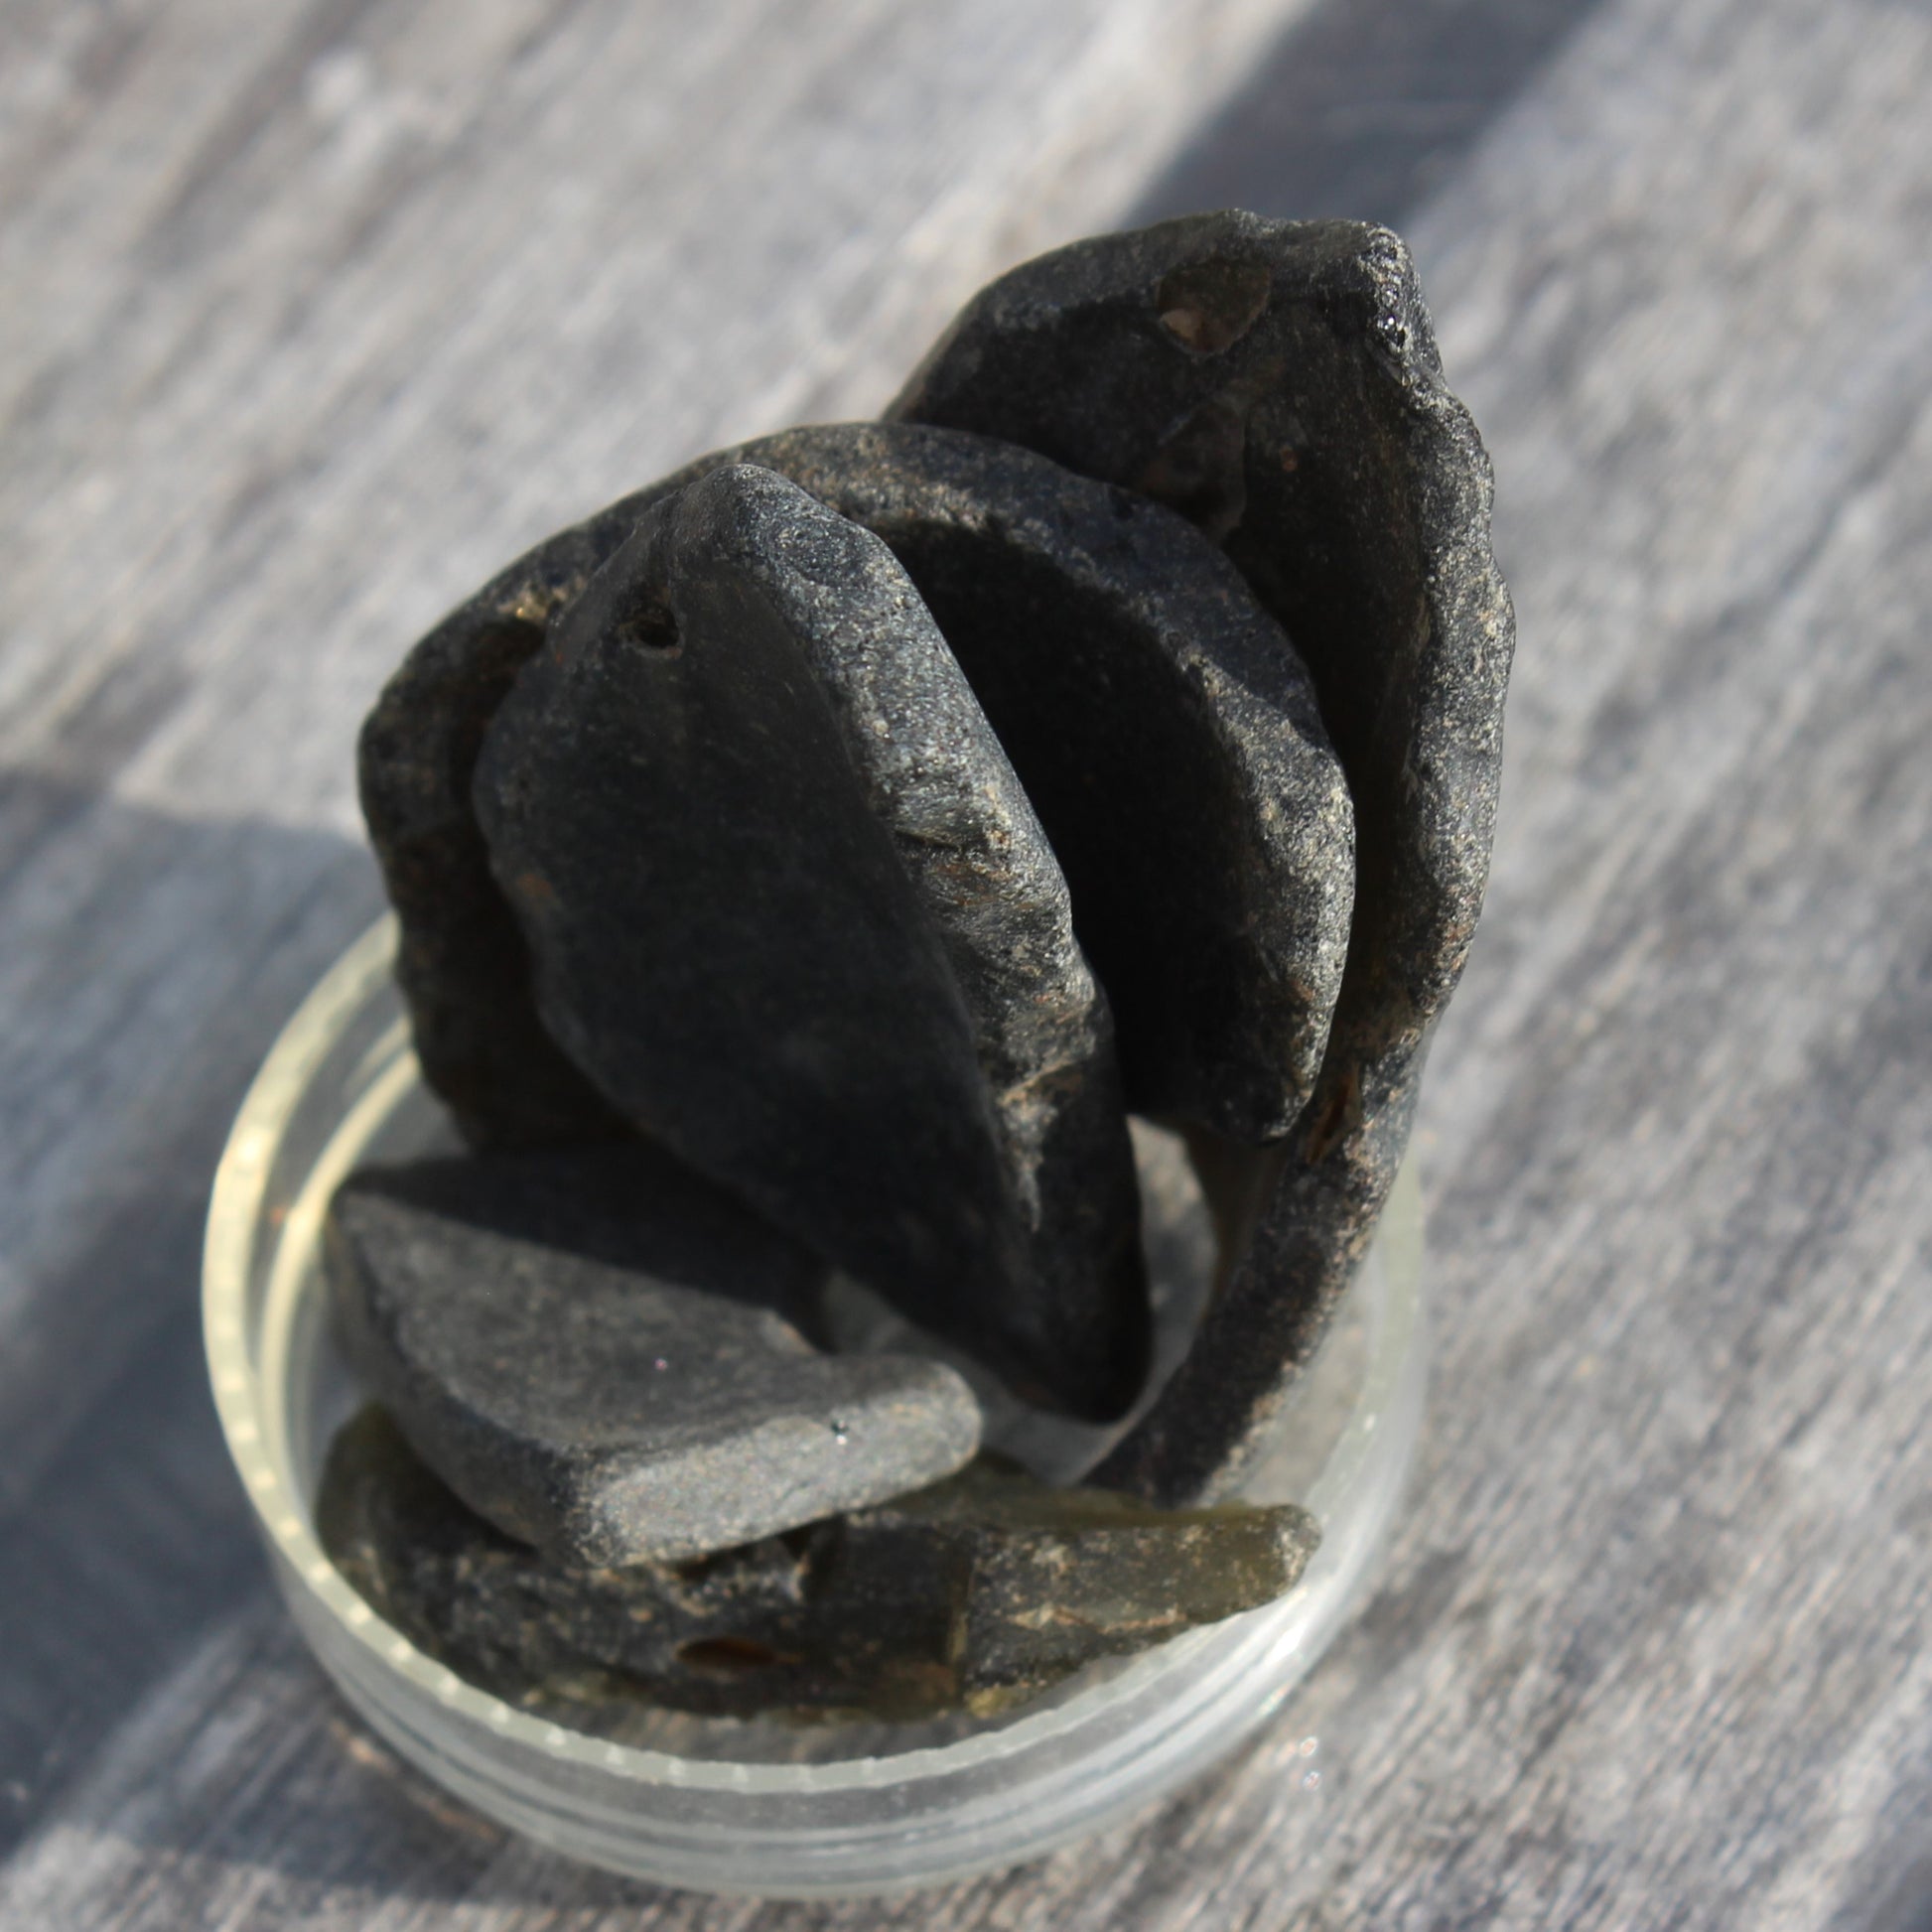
{"points": [[460, 961], [1054, 1579], [758, 839], [938, 781], [587, 1348], [972, 1594], [1277, 382], [629, 1203], [1165, 733], [960, 824], [1204, 828]]}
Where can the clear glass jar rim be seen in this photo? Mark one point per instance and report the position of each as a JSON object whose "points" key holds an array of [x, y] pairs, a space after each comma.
{"points": [[244, 1363]]}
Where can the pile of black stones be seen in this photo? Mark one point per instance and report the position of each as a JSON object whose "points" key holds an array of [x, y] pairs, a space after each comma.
{"points": [[805, 868]]}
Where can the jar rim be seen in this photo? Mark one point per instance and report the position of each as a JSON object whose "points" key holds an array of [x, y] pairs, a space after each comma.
{"points": [[247, 1330]]}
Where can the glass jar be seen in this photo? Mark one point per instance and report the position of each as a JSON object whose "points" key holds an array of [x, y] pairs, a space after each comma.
{"points": [[762, 1807]]}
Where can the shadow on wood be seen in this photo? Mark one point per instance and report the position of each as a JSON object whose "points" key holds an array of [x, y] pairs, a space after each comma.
{"points": [[1360, 111], [124, 1536]]}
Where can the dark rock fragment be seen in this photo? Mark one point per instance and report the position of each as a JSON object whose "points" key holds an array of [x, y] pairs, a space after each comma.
{"points": [[628, 1203], [973, 1594], [1054, 1579], [757, 838], [1161, 727], [587, 1347], [1165, 730], [460, 962], [938, 781], [1278, 384]]}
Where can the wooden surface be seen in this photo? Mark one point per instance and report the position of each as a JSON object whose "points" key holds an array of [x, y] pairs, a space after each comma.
{"points": [[312, 315]]}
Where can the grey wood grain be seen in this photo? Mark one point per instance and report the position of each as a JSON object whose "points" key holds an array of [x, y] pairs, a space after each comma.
{"points": [[309, 317]]}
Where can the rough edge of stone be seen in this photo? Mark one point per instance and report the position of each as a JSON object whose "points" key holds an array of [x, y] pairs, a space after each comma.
{"points": [[1424, 869], [460, 962], [935, 462]]}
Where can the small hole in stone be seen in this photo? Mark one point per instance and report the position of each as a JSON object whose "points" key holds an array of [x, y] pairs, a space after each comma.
{"points": [[730, 1656], [652, 624]]}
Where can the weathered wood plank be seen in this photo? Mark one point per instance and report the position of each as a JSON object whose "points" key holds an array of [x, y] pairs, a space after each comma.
{"points": [[327, 314]]}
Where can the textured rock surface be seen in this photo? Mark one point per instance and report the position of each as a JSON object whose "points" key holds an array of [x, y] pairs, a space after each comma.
{"points": [[462, 963], [973, 1594], [1278, 384], [1055, 1578], [1201, 820], [588, 1348], [938, 781], [1166, 731], [699, 801], [628, 1203]]}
